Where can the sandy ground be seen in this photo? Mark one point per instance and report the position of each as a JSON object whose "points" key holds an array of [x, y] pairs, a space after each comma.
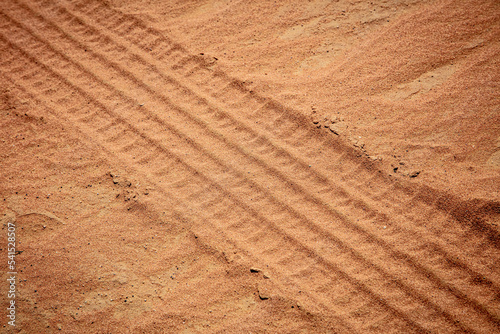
{"points": [[250, 166]]}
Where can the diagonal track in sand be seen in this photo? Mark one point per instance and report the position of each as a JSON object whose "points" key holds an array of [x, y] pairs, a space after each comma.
{"points": [[265, 244], [130, 146], [316, 179]]}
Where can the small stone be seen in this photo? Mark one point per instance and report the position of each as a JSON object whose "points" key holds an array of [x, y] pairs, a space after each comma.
{"points": [[255, 270], [263, 294], [334, 127], [414, 174], [315, 117], [264, 289]]}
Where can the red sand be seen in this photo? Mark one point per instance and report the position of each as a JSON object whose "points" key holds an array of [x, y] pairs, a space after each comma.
{"points": [[237, 167]]}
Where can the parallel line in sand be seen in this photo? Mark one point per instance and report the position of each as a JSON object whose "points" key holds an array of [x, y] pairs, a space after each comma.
{"points": [[130, 28], [133, 28], [356, 255], [433, 248], [297, 246], [221, 239], [271, 227], [449, 258], [175, 213]]}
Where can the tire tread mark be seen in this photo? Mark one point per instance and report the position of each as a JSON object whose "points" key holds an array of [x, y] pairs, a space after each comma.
{"points": [[134, 22], [298, 246], [358, 167], [463, 266], [224, 77], [103, 8], [222, 239]]}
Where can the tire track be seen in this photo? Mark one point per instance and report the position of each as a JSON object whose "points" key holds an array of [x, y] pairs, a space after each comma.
{"points": [[130, 146], [359, 168], [181, 61], [89, 133], [464, 238], [324, 178], [428, 273], [135, 30], [220, 237], [165, 197], [265, 239]]}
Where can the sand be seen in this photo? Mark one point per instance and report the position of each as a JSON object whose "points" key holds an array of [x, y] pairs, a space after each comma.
{"points": [[250, 166]]}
